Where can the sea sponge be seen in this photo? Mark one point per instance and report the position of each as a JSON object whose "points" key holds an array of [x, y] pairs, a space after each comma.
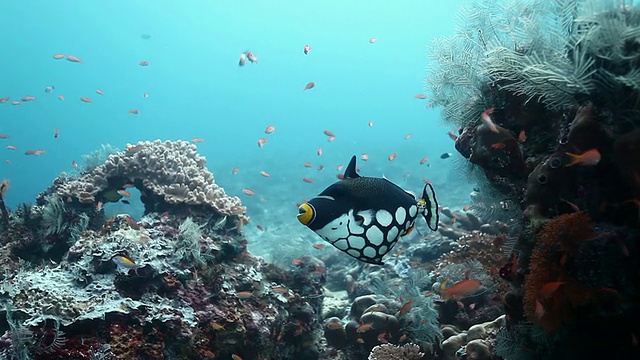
{"points": [[169, 172]]}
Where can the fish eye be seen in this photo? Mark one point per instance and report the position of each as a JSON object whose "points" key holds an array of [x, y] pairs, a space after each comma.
{"points": [[305, 214], [301, 210], [542, 179]]}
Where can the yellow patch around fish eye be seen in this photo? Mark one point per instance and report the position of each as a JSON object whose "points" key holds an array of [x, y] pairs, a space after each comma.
{"points": [[305, 214]]}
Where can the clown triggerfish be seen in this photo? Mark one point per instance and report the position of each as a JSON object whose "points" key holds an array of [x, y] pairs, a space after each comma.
{"points": [[365, 216]]}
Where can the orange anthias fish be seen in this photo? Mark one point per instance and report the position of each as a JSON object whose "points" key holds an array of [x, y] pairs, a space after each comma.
{"points": [[134, 111], [56, 133], [587, 158], [235, 170], [307, 48], [270, 129], [460, 289], [85, 99], [364, 157], [329, 133], [392, 156], [310, 85], [548, 289], [319, 152], [143, 63], [405, 308], [262, 141], [408, 136], [423, 160], [248, 192], [264, 173], [307, 180], [420, 96], [197, 140], [486, 120]]}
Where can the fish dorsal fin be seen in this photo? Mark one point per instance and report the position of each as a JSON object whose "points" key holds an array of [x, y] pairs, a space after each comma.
{"points": [[351, 173]]}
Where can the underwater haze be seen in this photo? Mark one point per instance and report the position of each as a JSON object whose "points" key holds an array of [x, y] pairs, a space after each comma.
{"points": [[194, 88]]}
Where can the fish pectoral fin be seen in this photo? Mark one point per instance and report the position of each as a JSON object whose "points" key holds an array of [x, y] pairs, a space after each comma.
{"points": [[364, 218]]}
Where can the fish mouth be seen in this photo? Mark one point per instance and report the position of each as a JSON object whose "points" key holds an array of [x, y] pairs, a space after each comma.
{"points": [[306, 214]]}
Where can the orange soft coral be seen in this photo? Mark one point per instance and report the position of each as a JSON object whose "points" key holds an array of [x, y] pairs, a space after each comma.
{"points": [[556, 241]]}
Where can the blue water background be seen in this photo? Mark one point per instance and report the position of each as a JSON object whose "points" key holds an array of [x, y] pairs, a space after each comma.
{"points": [[196, 89]]}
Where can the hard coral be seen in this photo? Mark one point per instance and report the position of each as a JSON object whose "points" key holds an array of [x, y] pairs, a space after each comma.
{"points": [[169, 172], [391, 352]]}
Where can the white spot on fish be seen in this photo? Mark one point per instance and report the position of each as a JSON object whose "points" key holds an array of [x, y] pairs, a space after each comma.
{"points": [[413, 211], [384, 217], [383, 250], [375, 236], [369, 252], [341, 244], [353, 253], [392, 234], [401, 215], [356, 242]]}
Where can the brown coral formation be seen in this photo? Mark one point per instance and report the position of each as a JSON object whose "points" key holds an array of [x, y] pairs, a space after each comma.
{"points": [[170, 171]]}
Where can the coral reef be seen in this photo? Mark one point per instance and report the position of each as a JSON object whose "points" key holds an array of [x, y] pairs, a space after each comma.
{"points": [[556, 82]]}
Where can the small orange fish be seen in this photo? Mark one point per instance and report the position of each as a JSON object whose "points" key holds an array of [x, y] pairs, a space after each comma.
{"points": [[307, 180], [56, 133], [264, 173], [408, 136], [248, 192], [364, 328], [12, 147], [74, 164], [392, 156], [143, 63], [134, 111], [73, 58], [364, 157], [99, 92], [340, 176], [235, 170], [335, 325], [310, 85], [262, 141], [244, 294], [405, 308], [318, 246], [280, 289], [58, 56], [134, 149], [340, 167], [124, 193], [331, 138], [197, 140], [60, 97], [319, 152], [85, 99], [372, 40], [320, 167], [420, 96], [235, 357], [522, 136], [4, 99], [460, 289], [587, 158], [370, 123], [217, 326], [4, 136], [28, 98], [260, 227], [486, 120], [498, 146], [548, 289], [329, 133], [423, 160], [270, 129], [34, 152], [16, 102], [99, 206], [308, 164]]}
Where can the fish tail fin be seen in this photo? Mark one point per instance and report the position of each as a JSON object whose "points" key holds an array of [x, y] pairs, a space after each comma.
{"points": [[428, 205], [575, 159]]}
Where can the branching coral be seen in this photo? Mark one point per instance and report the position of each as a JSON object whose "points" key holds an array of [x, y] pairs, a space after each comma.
{"points": [[394, 352]]}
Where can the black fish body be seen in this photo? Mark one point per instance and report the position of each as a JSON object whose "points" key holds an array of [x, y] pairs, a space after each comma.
{"points": [[365, 216]]}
